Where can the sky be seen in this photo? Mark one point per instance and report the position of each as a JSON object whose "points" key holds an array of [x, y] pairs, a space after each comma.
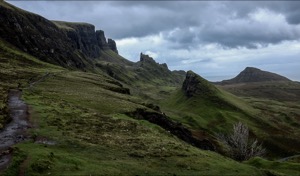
{"points": [[216, 39]]}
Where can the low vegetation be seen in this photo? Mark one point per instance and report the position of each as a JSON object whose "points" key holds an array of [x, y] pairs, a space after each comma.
{"points": [[239, 146]]}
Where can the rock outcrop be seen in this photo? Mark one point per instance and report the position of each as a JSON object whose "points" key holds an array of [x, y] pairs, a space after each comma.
{"points": [[102, 43], [87, 40], [147, 61], [112, 45], [194, 85], [149, 69], [251, 74]]}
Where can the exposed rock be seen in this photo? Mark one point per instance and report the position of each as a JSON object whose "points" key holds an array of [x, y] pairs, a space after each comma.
{"points": [[196, 85], [112, 45], [63, 43], [251, 74], [146, 59], [85, 38], [176, 129], [102, 43], [37, 36]]}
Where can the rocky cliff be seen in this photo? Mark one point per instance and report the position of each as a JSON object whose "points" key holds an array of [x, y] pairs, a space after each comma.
{"points": [[251, 74], [148, 62], [87, 40], [195, 85], [147, 67], [70, 45]]}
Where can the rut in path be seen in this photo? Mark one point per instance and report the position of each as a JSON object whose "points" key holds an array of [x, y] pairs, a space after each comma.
{"points": [[15, 131]]}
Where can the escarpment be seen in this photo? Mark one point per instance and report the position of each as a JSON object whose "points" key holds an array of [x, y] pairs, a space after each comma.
{"points": [[71, 45]]}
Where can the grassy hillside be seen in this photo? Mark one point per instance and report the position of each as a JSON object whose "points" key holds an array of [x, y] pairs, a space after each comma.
{"points": [[79, 121], [18, 69], [87, 125], [210, 110], [79, 127], [279, 91]]}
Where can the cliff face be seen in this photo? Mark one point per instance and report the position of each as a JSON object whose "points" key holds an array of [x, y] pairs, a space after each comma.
{"points": [[87, 40], [67, 44], [112, 45]]}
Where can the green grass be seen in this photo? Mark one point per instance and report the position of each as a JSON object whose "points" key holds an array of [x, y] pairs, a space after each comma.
{"points": [[17, 68], [274, 123], [93, 136], [275, 167]]}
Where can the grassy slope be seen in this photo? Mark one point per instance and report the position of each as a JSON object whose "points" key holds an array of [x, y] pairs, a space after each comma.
{"points": [[277, 125], [17, 68], [91, 135], [280, 91], [275, 167]]}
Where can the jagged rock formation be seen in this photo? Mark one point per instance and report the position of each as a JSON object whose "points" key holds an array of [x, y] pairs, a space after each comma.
{"points": [[146, 70], [112, 45], [102, 43], [148, 63], [196, 85], [251, 74], [87, 40], [149, 69], [67, 44]]}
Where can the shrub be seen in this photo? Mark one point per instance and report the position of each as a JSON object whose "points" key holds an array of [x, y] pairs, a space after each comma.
{"points": [[239, 146]]}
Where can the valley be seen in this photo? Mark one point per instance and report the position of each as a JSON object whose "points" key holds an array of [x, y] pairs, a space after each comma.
{"points": [[93, 112]]}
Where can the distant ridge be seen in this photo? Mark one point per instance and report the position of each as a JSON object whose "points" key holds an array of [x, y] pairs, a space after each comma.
{"points": [[251, 74]]}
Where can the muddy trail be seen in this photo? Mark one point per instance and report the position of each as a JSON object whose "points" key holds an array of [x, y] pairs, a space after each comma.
{"points": [[15, 131]]}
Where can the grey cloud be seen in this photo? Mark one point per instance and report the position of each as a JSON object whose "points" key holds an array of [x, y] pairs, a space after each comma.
{"points": [[123, 19]]}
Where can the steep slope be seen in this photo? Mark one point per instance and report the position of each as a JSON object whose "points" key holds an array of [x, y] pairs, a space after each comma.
{"points": [[198, 96], [208, 110], [251, 74]]}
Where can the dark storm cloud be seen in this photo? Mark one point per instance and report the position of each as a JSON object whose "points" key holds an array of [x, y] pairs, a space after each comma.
{"points": [[187, 24]]}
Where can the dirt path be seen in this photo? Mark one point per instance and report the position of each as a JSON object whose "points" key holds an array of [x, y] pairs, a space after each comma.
{"points": [[15, 131]]}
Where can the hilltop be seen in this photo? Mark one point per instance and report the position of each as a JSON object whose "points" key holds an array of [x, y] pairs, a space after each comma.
{"points": [[257, 83], [251, 74]]}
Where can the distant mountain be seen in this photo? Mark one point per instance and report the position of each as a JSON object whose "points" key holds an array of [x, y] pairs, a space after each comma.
{"points": [[251, 74], [253, 82]]}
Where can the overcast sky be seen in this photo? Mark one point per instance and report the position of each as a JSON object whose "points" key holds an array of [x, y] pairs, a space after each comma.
{"points": [[215, 39]]}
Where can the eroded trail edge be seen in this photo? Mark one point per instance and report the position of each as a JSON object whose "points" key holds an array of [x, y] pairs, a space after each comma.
{"points": [[15, 131]]}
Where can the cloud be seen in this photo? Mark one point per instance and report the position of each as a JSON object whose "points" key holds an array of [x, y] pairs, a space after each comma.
{"points": [[231, 24], [209, 37]]}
